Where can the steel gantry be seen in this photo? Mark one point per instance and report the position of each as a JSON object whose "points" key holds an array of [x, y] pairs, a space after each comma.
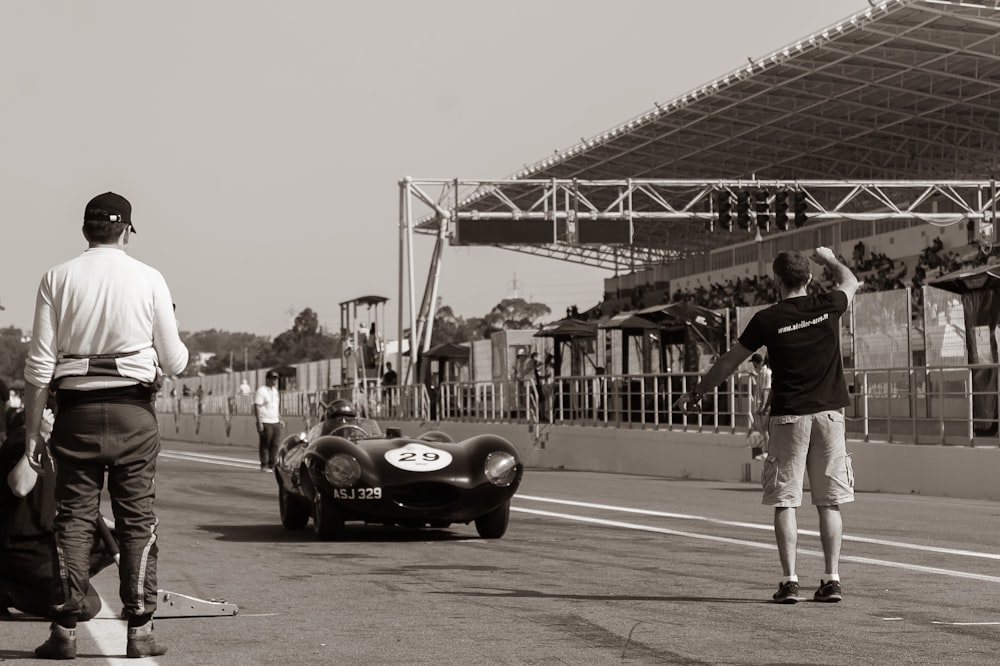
{"points": [[651, 221]]}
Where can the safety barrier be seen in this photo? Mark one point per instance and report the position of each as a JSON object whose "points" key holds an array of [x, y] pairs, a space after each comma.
{"points": [[934, 405]]}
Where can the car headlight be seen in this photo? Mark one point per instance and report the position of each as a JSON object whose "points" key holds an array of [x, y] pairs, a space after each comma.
{"points": [[342, 470], [500, 468]]}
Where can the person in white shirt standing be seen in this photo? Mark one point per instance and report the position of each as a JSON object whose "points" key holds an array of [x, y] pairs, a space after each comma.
{"points": [[104, 334], [267, 408], [760, 406]]}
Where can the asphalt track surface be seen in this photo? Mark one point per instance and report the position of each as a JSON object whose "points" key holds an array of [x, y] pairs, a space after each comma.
{"points": [[595, 569]]}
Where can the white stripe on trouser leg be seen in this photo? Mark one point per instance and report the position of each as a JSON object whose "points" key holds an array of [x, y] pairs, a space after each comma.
{"points": [[140, 584]]}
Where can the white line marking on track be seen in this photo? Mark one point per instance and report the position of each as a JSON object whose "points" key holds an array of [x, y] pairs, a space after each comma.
{"points": [[245, 463], [109, 632], [226, 462], [211, 456], [757, 544], [968, 624], [761, 526]]}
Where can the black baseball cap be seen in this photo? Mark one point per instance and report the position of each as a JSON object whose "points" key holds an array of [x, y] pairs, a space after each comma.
{"points": [[109, 207]]}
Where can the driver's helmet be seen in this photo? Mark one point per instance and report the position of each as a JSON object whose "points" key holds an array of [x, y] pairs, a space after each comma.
{"points": [[342, 410], [342, 419]]}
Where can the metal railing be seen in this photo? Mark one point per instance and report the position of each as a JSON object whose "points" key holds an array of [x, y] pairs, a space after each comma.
{"points": [[934, 405]]}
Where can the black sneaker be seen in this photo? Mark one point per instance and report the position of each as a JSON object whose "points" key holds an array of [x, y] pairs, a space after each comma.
{"points": [[829, 591], [788, 593]]}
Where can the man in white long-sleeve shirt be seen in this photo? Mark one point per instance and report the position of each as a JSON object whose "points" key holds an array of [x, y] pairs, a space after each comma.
{"points": [[104, 332]]}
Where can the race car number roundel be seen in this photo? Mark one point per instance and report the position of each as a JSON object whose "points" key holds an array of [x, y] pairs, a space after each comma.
{"points": [[418, 458]]}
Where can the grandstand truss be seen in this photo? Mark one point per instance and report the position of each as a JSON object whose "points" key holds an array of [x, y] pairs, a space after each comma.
{"points": [[893, 112]]}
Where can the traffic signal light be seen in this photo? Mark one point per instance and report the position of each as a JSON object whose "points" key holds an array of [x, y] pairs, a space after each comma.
{"points": [[781, 209], [799, 206], [763, 210], [743, 209], [724, 208]]}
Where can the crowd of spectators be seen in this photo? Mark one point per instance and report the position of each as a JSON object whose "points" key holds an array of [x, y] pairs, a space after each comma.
{"points": [[876, 272]]}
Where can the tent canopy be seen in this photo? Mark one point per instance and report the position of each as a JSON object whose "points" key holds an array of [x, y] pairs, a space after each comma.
{"points": [[964, 281], [674, 316], [449, 351], [670, 317], [629, 321], [568, 328]]}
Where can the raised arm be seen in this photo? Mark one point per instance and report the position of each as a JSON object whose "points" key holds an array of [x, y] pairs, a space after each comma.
{"points": [[842, 275]]}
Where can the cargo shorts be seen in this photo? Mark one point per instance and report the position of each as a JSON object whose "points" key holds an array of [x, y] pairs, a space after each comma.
{"points": [[813, 444]]}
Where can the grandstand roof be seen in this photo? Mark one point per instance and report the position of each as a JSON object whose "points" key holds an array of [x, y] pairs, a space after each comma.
{"points": [[902, 90]]}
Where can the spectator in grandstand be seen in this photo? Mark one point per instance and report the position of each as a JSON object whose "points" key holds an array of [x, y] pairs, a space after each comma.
{"points": [[267, 409], [245, 387], [807, 435]]}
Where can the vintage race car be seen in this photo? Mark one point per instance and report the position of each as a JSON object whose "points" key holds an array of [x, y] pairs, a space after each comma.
{"points": [[345, 469]]}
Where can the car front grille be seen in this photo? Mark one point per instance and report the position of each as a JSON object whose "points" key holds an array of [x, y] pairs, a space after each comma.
{"points": [[424, 495]]}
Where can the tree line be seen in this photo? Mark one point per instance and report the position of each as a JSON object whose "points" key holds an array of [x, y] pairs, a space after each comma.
{"points": [[215, 351]]}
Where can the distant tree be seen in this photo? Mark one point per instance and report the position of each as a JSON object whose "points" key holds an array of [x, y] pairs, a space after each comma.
{"points": [[247, 351], [448, 327], [305, 341], [13, 352], [514, 314]]}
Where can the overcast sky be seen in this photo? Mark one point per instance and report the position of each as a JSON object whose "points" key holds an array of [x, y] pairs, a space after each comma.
{"points": [[261, 142]]}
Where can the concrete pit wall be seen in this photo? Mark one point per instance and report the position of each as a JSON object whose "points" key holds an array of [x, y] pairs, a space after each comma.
{"points": [[939, 471]]}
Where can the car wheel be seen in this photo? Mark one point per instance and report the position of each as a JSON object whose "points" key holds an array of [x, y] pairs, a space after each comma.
{"points": [[294, 513], [328, 519], [494, 524]]}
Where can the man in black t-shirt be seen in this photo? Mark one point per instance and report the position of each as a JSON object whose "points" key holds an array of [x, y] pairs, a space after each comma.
{"points": [[389, 380], [806, 428]]}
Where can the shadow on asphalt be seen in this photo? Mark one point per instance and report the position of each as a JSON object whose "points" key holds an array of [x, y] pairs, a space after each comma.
{"points": [[19, 654], [535, 594], [353, 533]]}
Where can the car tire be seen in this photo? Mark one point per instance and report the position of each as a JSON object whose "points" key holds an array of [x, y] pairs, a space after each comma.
{"points": [[328, 518], [294, 513], [493, 525]]}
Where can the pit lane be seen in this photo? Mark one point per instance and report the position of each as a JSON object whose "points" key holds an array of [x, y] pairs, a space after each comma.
{"points": [[595, 569]]}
